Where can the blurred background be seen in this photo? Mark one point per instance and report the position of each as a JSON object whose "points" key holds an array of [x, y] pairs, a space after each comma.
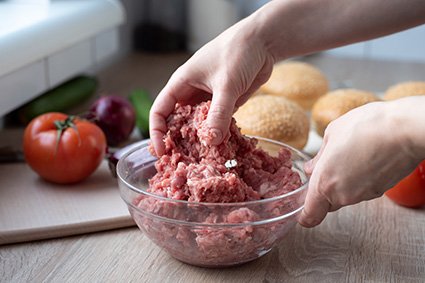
{"points": [[201, 20]]}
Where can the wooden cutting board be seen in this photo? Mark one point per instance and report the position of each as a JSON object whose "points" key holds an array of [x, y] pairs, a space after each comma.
{"points": [[33, 209]]}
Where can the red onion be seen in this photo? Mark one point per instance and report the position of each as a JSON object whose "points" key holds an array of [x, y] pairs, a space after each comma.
{"points": [[115, 116], [115, 155]]}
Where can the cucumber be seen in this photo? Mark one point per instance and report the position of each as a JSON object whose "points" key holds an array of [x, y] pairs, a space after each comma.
{"points": [[142, 104], [60, 98]]}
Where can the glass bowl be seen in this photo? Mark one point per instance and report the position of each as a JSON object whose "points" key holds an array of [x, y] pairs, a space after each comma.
{"points": [[194, 232]]}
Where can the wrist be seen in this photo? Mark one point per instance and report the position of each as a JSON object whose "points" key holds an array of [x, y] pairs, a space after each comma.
{"points": [[268, 22], [288, 28], [252, 32], [407, 119]]}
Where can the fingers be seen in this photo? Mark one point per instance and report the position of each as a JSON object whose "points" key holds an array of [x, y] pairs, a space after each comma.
{"points": [[315, 208], [157, 131], [242, 100], [161, 108], [220, 116], [309, 166], [316, 205]]}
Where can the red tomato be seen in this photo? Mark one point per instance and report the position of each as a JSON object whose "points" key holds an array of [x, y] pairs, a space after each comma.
{"points": [[410, 191], [63, 149]]}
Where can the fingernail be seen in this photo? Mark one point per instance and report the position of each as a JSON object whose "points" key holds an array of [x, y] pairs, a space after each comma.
{"points": [[215, 136], [308, 221]]}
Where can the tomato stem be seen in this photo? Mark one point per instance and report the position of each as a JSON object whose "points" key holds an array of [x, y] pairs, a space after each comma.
{"points": [[62, 125]]}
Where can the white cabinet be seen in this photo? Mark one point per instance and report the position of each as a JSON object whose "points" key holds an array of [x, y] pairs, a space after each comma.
{"points": [[19, 86], [69, 62], [44, 45], [106, 44]]}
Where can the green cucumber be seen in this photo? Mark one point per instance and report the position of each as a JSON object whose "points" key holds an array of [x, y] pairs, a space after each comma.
{"points": [[60, 98], [142, 104]]}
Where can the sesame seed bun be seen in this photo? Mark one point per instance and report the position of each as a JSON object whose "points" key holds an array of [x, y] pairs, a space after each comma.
{"points": [[336, 103], [274, 117], [297, 81], [405, 89], [258, 92]]}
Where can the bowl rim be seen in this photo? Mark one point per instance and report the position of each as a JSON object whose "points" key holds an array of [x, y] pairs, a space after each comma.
{"points": [[304, 186], [218, 224]]}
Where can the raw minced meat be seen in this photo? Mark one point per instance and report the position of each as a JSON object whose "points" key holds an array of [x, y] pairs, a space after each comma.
{"points": [[196, 172]]}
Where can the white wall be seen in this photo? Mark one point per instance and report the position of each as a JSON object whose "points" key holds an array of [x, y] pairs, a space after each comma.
{"points": [[134, 16], [408, 45]]}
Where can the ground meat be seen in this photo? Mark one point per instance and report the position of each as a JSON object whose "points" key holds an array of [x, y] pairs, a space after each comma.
{"points": [[192, 170]]}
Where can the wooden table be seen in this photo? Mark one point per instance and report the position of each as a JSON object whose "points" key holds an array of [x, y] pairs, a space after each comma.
{"points": [[373, 241]]}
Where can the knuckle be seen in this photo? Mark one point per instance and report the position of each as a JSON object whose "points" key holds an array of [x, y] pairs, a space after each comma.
{"points": [[375, 193], [326, 187], [219, 112], [344, 200]]}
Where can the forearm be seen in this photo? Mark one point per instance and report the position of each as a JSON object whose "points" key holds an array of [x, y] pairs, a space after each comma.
{"points": [[297, 27]]}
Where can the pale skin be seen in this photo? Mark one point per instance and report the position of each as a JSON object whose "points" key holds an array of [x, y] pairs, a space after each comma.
{"points": [[364, 152]]}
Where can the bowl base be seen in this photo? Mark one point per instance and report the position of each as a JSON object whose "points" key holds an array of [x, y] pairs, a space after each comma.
{"points": [[225, 265]]}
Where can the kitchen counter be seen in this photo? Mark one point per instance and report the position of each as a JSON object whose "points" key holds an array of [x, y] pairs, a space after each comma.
{"points": [[375, 241]]}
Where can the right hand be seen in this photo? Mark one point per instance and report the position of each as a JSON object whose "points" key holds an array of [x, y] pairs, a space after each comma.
{"points": [[226, 70]]}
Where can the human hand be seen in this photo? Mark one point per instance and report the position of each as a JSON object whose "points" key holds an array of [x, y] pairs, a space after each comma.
{"points": [[364, 153], [227, 70]]}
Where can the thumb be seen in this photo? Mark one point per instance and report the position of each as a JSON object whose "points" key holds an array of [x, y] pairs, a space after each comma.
{"points": [[220, 116], [316, 207]]}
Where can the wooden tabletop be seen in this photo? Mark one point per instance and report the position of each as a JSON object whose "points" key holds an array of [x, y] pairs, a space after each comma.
{"points": [[375, 241]]}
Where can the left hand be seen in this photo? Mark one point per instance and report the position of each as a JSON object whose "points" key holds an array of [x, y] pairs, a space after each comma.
{"points": [[364, 153]]}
